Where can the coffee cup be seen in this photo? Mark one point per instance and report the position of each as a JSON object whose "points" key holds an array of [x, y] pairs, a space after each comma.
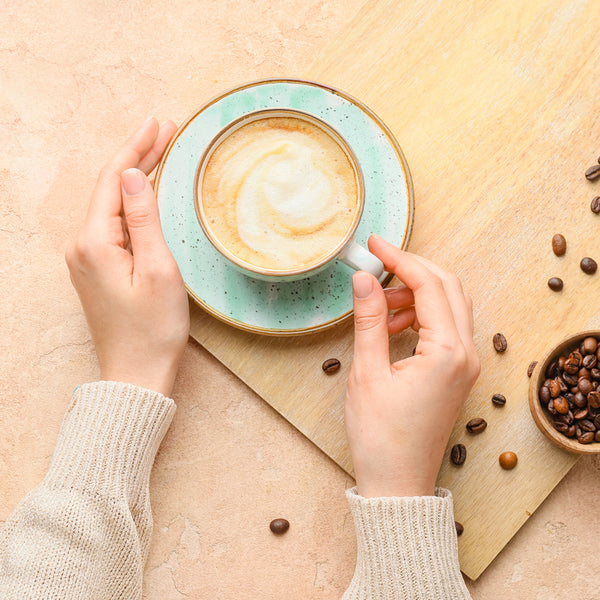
{"points": [[280, 194]]}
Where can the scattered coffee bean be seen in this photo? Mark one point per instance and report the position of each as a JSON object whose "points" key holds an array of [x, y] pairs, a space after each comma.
{"points": [[498, 400], [593, 173], [595, 205], [459, 528], [499, 340], [279, 526], [531, 367], [559, 244], [555, 284], [508, 460], [476, 425], [588, 265], [331, 365], [458, 454]]}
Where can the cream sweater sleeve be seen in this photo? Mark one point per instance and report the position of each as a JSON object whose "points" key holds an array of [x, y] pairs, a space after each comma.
{"points": [[84, 532], [406, 549]]}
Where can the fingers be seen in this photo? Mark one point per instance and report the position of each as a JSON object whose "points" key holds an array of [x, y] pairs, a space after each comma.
{"points": [[106, 199], [152, 157], [433, 310], [402, 320], [140, 211], [371, 344]]}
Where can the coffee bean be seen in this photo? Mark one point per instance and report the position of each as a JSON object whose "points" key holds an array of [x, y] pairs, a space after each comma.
{"points": [[593, 173], [579, 400], [589, 362], [570, 379], [588, 265], [586, 437], [561, 405], [458, 454], [559, 244], [595, 205], [554, 388], [555, 284], [331, 365], [498, 400], [508, 460], [571, 365], [597, 436], [593, 399], [590, 345], [581, 413], [500, 344], [531, 367], [587, 425], [459, 528], [553, 368], [279, 526], [476, 425], [560, 427], [544, 394]]}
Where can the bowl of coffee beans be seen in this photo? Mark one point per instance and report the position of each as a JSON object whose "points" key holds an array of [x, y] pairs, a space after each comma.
{"points": [[564, 394]]}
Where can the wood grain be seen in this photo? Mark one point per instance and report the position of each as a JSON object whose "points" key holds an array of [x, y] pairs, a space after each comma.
{"points": [[497, 108]]}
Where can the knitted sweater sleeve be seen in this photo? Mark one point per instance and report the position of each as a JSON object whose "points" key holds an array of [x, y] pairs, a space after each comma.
{"points": [[406, 549], [84, 532]]}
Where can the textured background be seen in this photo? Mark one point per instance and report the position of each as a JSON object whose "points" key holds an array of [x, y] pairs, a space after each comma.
{"points": [[75, 80]]}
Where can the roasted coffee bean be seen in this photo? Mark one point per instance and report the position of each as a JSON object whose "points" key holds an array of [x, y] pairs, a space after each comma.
{"points": [[551, 408], [560, 427], [595, 373], [476, 425], [531, 367], [561, 405], [588, 265], [544, 394], [586, 437], [590, 345], [458, 454], [589, 362], [581, 413], [508, 460], [595, 205], [559, 244], [499, 340], [585, 386], [571, 432], [552, 369], [459, 528], [563, 386], [571, 365], [579, 400], [587, 425], [597, 436], [555, 284], [279, 526], [597, 421], [583, 374], [554, 388], [570, 379], [331, 365], [593, 173], [498, 400], [593, 399]]}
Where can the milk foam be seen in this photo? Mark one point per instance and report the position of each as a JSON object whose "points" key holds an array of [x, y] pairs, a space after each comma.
{"points": [[279, 193]]}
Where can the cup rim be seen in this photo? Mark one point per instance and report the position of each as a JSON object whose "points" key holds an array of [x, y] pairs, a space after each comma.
{"points": [[256, 115], [540, 416]]}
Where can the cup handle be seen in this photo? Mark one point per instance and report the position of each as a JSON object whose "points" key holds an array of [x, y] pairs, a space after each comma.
{"points": [[360, 259]]}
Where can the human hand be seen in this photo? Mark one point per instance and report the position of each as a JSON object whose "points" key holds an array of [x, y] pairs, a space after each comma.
{"points": [[399, 416], [128, 282]]}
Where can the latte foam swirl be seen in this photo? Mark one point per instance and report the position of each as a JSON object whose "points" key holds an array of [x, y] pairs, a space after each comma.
{"points": [[279, 197]]}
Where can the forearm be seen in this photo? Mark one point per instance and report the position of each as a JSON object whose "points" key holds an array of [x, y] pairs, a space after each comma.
{"points": [[406, 549], [84, 532]]}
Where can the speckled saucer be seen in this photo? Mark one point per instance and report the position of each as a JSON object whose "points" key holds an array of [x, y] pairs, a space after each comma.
{"points": [[295, 307]]}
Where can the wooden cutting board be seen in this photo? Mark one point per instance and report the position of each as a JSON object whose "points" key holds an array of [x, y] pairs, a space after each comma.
{"points": [[497, 108]]}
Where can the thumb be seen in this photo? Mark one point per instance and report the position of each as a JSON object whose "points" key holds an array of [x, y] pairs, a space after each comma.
{"points": [[141, 215], [371, 341]]}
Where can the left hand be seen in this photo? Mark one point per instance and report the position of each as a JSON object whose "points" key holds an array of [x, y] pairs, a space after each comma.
{"points": [[128, 282]]}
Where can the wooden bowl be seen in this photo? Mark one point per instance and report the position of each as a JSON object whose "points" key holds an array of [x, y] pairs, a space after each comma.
{"points": [[541, 415]]}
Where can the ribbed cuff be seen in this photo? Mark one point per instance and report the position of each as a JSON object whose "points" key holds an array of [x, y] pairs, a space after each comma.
{"points": [[108, 440], [406, 548]]}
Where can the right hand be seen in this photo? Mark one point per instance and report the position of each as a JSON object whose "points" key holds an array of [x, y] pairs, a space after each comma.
{"points": [[399, 416]]}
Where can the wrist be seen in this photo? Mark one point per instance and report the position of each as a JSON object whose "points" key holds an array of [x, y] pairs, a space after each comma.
{"points": [[160, 379]]}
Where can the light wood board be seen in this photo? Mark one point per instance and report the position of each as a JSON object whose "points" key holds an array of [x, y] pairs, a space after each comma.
{"points": [[497, 107]]}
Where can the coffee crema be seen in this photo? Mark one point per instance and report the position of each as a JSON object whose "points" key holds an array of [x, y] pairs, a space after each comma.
{"points": [[279, 193]]}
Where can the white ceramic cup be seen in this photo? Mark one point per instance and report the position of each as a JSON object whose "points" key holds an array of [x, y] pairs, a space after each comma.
{"points": [[347, 250]]}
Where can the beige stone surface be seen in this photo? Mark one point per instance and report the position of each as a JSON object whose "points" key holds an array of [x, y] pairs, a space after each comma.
{"points": [[75, 79]]}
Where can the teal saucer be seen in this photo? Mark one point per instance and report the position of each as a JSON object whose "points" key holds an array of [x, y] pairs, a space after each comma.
{"points": [[287, 308]]}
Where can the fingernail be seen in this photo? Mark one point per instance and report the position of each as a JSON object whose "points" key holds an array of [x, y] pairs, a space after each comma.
{"points": [[362, 284], [133, 181]]}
